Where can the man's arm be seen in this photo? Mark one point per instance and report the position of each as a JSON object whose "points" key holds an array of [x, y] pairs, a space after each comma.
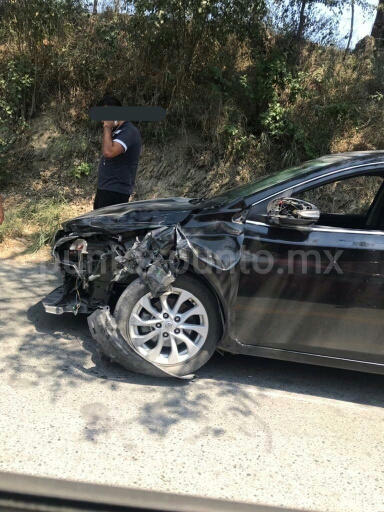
{"points": [[110, 148], [1, 211]]}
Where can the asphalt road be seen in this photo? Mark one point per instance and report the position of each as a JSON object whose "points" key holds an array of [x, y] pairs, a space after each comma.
{"points": [[246, 429]]}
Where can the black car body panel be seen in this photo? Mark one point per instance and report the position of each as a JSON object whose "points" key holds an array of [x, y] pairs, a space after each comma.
{"points": [[320, 316], [134, 215]]}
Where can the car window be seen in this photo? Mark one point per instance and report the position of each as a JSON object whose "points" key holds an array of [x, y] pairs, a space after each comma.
{"points": [[349, 196], [274, 179]]}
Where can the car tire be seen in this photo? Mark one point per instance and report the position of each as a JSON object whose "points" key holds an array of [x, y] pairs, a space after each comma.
{"points": [[128, 308]]}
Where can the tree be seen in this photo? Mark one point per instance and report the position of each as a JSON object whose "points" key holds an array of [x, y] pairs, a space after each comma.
{"points": [[378, 26], [351, 29], [302, 20]]}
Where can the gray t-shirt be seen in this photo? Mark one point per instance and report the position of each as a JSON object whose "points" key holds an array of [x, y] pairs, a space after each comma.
{"points": [[118, 174]]}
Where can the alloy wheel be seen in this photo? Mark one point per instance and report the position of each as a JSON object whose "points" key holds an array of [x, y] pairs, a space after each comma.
{"points": [[170, 329]]}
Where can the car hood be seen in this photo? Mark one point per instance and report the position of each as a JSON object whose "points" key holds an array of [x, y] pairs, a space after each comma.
{"points": [[135, 215]]}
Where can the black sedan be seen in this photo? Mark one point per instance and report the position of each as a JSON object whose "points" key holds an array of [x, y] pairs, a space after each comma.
{"points": [[290, 266]]}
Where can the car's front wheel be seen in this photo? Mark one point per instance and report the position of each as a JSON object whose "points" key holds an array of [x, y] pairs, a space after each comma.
{"points": [[178, 331]]}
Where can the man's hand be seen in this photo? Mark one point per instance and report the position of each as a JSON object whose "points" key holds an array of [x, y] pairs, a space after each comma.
{"points": [[110, 148], [109, 124], [1, 211]]}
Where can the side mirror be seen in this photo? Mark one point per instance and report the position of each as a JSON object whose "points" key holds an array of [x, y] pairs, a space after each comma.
{"points": [[288, 211]]}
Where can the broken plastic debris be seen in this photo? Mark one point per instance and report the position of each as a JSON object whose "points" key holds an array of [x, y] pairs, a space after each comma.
{"points": [[113, 344], [152, 259]]}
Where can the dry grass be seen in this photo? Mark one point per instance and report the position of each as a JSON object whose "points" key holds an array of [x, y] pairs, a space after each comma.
{"points": [[35, 221]]}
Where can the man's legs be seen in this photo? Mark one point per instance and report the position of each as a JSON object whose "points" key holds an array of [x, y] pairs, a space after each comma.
{"points": [[105, 198]]}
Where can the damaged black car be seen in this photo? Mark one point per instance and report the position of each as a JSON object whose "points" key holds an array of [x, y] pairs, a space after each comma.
{"points": [[290, 266]]}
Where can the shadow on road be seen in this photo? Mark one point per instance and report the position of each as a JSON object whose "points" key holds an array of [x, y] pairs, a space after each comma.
{"points": [[59, 352], [228, 369], [174, 401]]}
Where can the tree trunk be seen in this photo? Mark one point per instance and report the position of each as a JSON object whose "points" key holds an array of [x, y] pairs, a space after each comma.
{"points": [[94, 7], [302, 19], [351, 29], [378, 26]]}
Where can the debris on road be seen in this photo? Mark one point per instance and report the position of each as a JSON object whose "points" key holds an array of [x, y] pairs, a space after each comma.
{"points": [[112, 343]]}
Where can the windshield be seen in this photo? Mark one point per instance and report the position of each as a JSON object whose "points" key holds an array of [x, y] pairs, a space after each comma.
{"points": [[274, 179]]}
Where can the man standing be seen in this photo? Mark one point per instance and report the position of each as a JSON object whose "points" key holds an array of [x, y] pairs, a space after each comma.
{"points": [[119, 161]]}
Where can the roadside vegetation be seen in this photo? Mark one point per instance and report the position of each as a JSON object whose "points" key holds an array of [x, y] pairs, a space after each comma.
{"points": [[249, 88], [35, 221]]}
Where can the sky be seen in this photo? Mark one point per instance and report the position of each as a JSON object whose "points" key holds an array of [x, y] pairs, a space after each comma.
{"points": [[363, 22], [362, 26]]}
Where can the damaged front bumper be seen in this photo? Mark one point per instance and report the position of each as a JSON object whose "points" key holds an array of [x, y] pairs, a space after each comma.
{"points": [[85, 266], [94, 264], [59, 302]]}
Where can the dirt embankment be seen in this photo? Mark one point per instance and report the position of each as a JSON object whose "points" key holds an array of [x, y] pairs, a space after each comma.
{"points": [[48, 162], [51, 175]]}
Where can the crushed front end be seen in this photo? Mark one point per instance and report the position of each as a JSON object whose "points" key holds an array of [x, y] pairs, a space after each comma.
{"points": [[86, 266], [100, 252]]}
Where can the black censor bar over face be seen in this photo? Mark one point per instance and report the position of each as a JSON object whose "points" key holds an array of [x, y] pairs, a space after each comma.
{"points": [[127, 113]]}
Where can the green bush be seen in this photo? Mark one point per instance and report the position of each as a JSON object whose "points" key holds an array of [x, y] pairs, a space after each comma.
{"points": [[221, 70], [81, 170]]}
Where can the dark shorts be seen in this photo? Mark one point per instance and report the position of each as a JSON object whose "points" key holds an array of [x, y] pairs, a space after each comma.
{"points": [[105, 198]]}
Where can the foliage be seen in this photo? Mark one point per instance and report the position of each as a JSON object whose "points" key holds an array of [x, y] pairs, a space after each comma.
{"points": [[81, 170], [233, 74], [35, 221]]}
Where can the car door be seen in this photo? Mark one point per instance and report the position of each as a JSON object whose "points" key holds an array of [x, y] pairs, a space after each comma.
{"points": [[316, 289]]}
